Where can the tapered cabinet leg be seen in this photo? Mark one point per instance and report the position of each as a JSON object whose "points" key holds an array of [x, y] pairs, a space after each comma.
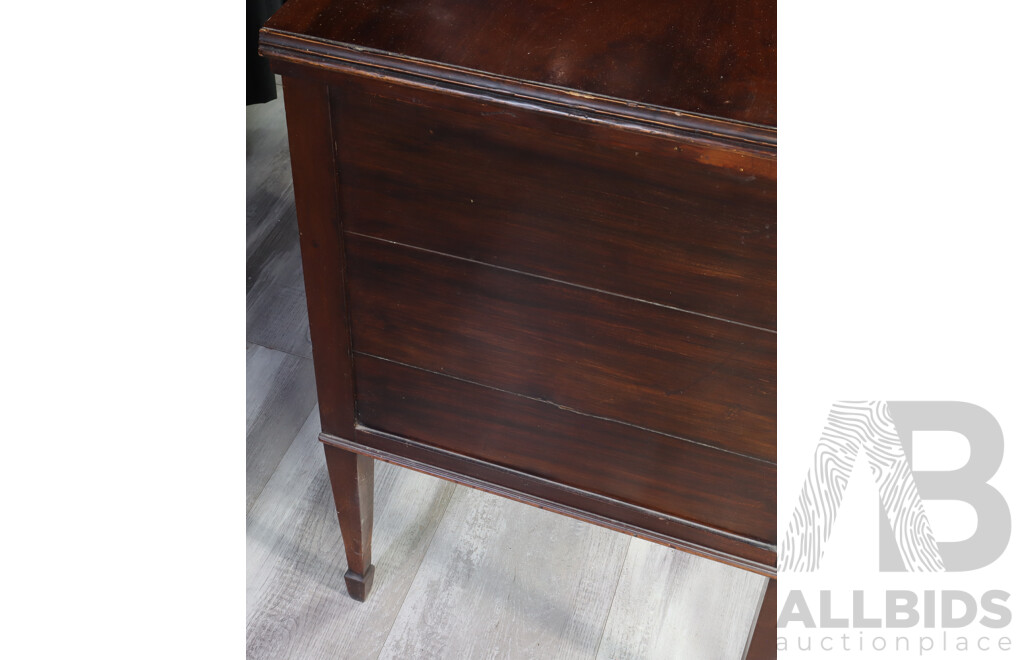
{"points": [[352, 485], [762, 641]]}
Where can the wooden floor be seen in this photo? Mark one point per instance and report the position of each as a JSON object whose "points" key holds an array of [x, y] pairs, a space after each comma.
{"points": [[459, 573]]}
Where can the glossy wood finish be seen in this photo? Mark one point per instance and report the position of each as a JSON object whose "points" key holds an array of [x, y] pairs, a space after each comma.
{"points": [[681, 534], [714, 57], [763, 639], [539, 250], [352, 487], [685, 375], [449, 559], [323, 252], [670, 477], [452, 561], [652, 218]]}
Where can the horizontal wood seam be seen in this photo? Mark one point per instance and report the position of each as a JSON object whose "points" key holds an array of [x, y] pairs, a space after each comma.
{"points": [[567, 408], [506, 491], [558, 281]]}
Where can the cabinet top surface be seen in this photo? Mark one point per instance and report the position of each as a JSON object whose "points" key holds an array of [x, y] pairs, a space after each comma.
{"points": [[709, 57]]}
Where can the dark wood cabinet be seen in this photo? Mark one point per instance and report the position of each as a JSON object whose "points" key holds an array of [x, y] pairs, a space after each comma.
{"points": [[538, 244]]}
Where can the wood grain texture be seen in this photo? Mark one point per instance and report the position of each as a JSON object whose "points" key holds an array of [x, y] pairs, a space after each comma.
{"points": [[296, 601], [280, 392], [297, 605], [689, 376], [647, 217], [569, 339], [660, 474], [713, 57], [506, 580], [323, 252], [505, 559], [352, 485], [671, 605], [763, 644]]}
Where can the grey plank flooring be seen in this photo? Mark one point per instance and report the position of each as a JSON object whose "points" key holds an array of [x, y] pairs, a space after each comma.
{"points": [[459, 573], [267, 172], [280, 392], [297, 603], [276, 316], [671, 604], [275, 296], [280, 387], [506, 580]]}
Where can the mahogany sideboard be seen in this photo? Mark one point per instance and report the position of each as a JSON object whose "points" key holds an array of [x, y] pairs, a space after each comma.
{"points": [[538, 243]]}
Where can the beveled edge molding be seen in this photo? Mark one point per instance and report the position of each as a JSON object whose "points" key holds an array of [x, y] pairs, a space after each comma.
{"points": [[326, 55], [499, 480]]}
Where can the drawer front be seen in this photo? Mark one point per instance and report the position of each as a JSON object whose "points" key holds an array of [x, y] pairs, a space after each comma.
{"points": [[694, 378], [716, 489], [653, 218]]}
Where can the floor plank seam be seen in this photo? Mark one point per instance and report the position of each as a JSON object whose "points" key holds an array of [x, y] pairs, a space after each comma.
{"points": [[277, 465], [430, 544], [615, 591], [279, 350]]}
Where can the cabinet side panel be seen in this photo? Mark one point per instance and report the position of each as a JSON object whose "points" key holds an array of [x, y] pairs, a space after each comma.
{"points": [[668, 221], [681, 374], [667, 476]]}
